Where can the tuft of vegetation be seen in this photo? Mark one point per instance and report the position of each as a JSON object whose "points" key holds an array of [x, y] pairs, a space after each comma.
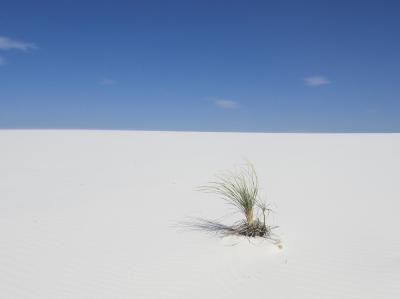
{"points": [[239, 189]]}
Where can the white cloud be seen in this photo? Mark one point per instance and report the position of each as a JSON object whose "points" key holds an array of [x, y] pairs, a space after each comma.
{"points": [[107, 81], [316, 80], [2, 61], [12, 44], [226, 104]]}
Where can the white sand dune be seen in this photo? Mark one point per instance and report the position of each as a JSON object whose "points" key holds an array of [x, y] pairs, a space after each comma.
{"points": [[92, 214]]}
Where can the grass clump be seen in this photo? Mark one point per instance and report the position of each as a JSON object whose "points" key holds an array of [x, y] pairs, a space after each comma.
{"points": [[239, 189]]}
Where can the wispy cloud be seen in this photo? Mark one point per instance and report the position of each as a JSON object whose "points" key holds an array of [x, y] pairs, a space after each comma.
{"points": [[316, 80], [226, 104], [107, 81], [7, 43]]}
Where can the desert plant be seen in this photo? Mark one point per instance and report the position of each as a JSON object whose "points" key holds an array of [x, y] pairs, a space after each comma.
{"points": [[240, 189]]}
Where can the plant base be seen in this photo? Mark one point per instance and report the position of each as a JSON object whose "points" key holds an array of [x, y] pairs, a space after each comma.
{"points": [[255, 229]]}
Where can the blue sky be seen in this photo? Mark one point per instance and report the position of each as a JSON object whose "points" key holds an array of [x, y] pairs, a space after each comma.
{"points": [[264, 66]]}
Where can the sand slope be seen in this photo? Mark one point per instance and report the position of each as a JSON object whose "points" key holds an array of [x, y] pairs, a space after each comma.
{"points": [[92, 214]]}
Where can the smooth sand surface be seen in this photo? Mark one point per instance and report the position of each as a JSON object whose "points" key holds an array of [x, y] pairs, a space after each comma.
{"points": [[92, 214]]}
